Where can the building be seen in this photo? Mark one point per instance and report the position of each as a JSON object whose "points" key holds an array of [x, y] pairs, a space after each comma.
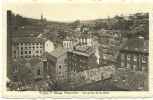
{"points": [[134, 55], [57, 62], [104, 39], [49, 46], [82, 58], [127, 80], [85, 39], [27, 71], [30, 47], [107, 57], [67, 43]]}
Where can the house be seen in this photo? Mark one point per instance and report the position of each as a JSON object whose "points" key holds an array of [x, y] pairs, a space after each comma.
{"points": [[107, 57], [49, 46], [27, 71], [57, 62], [85, 39], [24, 47], [127, 80], [134, 55], [67, 43], [103, 36], [113, 60], [82, 58]]}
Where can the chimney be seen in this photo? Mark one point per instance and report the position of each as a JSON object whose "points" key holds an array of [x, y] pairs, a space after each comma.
{"points": [[9, 35]]}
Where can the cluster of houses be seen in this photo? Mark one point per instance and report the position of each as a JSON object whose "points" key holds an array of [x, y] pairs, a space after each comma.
{"points": [[39, 58]]}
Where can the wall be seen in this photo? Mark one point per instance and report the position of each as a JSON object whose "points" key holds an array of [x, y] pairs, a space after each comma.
{"points": [[49, 46], [61, 61], [31, 49], [138, 62], [78, 63]]}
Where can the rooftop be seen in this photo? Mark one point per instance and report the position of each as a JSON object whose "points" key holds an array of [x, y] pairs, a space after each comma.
{"points": [[34, 61], [137, 45], [130, 80], [58, 52], [102, 33], [80, 53], [28, 40], [112, 50], [86, 35], [82, 48]]}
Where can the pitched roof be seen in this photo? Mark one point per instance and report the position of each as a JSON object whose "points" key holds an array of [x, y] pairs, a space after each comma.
{"points": [[34, 61], [130, 80], [114, 57], [58, 52], [138, 45], [28, 40], [21, 61], [67, 39], [112, 49], [102, 33]]}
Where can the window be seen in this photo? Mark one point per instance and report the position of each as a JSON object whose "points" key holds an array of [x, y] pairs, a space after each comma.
{"points": [[15, 69], [65, 66], [60, 74], [15, 78], [33, 43], [21, 48], [122, 64], [22, 77], [14, 52], [60, 66], [36, 43], [65, 61], [37, 51], [144, 68], [135, 67], [144, 58], [21, 52], [25, 52], [128, 65], [65, 73], [134, 57], [128, 56], [29, 52], [38, 72], [122, 55]]}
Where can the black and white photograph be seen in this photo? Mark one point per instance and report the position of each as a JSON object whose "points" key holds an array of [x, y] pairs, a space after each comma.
{"points": [[77, 47]]}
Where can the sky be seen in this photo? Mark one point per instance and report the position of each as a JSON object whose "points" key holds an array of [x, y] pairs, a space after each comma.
{"points": [[74, 11]]}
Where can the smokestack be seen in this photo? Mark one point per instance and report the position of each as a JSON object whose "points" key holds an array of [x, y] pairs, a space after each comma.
{"points": [[97, 56], [9, 35]]}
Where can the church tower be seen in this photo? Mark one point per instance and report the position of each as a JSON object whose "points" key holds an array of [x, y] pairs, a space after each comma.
{"points": [[41, 18]]}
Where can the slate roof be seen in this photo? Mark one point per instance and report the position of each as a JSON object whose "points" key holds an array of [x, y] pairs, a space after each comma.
{"points": [[34, 61], [28, 40], [20, 33], [137, 45], [112, 50], [114, 57], [102, 33], [58, 52], [130, 80], [67, 39], [22, 61]]}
